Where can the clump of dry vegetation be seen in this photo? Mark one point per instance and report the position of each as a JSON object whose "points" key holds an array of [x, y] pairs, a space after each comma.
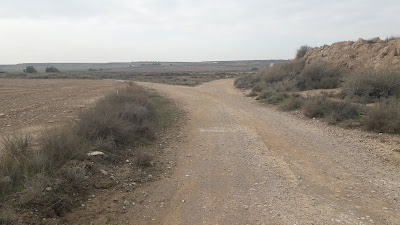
{"points": [[372, 85], [48, 175], [283, 83], [319, 75], [384, 117], [333, 111], [301, 52]]}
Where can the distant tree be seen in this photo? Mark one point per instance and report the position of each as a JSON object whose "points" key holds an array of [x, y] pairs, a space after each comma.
{"points": [[30, 69], [301, 52], [52, 69]]}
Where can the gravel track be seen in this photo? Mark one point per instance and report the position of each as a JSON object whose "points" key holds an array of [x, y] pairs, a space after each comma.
{"points": [[240, 162]]}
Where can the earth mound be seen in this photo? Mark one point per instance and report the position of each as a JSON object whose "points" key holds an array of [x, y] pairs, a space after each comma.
{"points": [[359, 55]]}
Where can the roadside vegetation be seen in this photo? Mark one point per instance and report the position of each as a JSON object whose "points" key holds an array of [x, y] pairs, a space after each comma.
{"points": [[51, 174], [366, 99]]}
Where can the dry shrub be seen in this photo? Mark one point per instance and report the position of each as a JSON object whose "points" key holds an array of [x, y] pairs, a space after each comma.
{"points": [[301, 52], [125, 117], [294, 102], [283, 71], [372, 85], [319, 75], [59, 145], [384, 117], [333, 111], [247, 81], [143, 159], [14, 163]]}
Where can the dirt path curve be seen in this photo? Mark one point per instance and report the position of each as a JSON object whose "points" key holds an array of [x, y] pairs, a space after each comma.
{"points": [[243, 163]]}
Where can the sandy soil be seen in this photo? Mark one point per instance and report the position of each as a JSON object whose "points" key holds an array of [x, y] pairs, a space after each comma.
{"points": [[240, 162], [28, 106]]}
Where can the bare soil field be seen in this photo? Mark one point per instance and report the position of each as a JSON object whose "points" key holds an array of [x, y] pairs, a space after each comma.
{"points": [[28, 105]]}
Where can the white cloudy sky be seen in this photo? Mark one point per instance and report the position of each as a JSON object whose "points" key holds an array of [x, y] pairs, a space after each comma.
{"points": [[183, 30]]}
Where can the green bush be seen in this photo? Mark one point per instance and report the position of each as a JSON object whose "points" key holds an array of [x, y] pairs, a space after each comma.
{"points": [[52, 70], [319, 75], [370, 86], [384, 117], [333, 111], [30, 69]]}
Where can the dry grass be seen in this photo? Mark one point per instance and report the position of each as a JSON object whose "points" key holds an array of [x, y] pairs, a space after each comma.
{"points": [[372, 85], [333, 111], [384, 117], [125, 117], [319, 75], [294, 102]]}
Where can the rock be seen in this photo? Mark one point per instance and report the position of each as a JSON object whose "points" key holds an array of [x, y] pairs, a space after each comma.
{"points": [[97, 154], [126, 202], [2, 115], [51, 121], [49, 189], [103, 172]]}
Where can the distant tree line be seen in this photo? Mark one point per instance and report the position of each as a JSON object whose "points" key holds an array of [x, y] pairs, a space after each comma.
{"points": [[31, 69]]}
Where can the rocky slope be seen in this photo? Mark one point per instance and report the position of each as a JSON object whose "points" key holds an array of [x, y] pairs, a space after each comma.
{"points": [[349, 55]]}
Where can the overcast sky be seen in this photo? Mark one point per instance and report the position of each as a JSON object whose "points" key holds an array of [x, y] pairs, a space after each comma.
{"points": [[183, 30]]}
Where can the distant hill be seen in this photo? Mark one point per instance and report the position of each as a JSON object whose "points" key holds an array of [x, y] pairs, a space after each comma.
{"points": [[150, 66]]}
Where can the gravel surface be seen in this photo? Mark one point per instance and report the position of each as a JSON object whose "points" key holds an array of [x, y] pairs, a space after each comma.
{"points": [[240, 162]]}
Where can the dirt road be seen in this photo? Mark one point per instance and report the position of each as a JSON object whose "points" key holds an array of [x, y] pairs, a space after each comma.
{"points": [[244, 163]]}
